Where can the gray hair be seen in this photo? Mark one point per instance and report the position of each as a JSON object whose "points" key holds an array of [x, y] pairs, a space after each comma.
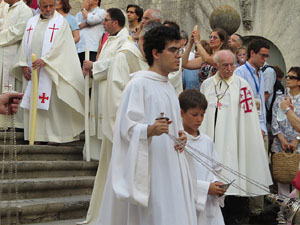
{"points": [[39, 2], [151, 24], [218, 54], [156, 14]]}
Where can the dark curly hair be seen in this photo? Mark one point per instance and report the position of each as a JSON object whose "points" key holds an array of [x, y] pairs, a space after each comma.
{"points": [[157, 38]]}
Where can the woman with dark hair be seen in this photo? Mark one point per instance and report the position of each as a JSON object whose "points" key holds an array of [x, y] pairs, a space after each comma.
{"points": [[63, 7], [217, 40], [286, 138]]}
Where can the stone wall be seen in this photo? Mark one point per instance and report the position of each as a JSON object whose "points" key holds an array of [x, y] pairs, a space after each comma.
{"points": [[275, 20]]}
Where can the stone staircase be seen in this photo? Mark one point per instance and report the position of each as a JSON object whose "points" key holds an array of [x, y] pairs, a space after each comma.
{"points": [[54, 183]]}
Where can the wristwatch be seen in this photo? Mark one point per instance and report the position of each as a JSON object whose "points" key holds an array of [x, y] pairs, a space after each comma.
{"points": [[298, 138], [286, 110]]}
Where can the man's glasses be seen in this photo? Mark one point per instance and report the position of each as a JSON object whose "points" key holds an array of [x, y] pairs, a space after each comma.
{"points": [[292, 77], [175, 50], [212, 37]]}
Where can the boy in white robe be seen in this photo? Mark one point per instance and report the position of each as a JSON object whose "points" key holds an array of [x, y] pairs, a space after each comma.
{"points": [[148, 182], [193, 105]]}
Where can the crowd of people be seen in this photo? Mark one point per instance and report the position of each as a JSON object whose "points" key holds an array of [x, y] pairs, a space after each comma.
{"points": [[155, 92]]}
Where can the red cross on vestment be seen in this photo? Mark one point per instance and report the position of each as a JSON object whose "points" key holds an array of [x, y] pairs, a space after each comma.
{"points": [[29, 30], [246, 100], [52, 28], [43, 97]]}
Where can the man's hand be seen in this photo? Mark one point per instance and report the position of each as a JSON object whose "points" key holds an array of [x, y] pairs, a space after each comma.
{"points": [[82, 25], [11, 100], [87, 67], [215, 189], [26, 72], [159, 127], [84, 13], [38, 64], [293, 145], [183, 139]]}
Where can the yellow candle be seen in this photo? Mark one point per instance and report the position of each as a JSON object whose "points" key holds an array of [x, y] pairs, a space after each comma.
{"points": [[33, 102]]}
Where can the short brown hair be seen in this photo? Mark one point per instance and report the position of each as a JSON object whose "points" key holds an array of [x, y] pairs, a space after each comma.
{"points": [[192, 98]]}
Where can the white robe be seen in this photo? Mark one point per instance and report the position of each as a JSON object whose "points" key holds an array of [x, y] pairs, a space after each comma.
{"points": [[64, 120], [148, 182], [11, 35], [208, 207], [101, 67], [99, 85], [3, 11], [128, 59], [176, 79], [237, 136]]}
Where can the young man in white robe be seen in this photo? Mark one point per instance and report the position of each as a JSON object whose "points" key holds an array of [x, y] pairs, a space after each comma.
{"points": [[60, 111], [149, 181], [231, 120], [11, 33], [209, 188], [129, 59]]}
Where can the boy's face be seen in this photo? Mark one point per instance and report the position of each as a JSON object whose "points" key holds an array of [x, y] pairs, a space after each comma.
{"points": [[192, 120]]}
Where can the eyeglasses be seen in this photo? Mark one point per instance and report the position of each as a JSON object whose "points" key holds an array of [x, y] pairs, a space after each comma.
{"points": [[292, 77], [264, 55], [212, 37], [175, 50]]}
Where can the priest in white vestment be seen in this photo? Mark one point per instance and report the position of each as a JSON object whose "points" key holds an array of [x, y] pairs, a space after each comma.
{"points": [[11, 33], [113, 23], [60, 111], [149, 182], [231, 121], [128, 59]]}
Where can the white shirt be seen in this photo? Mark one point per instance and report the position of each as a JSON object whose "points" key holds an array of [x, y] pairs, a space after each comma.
{"points": [[90, 36]]}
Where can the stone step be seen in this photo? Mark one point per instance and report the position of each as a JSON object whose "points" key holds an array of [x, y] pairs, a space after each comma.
{"points": [[46, 209], [48, 187], [43, 152], [61, 222], [40, 169], [20, 139]]}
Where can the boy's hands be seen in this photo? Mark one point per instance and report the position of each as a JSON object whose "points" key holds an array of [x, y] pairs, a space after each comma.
{"points": [[183, 139]]}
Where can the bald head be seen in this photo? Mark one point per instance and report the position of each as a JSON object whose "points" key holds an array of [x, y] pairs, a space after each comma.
{"points": [[225, 63], [151, 14]]}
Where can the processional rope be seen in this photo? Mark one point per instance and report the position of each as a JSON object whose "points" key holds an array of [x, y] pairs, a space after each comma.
{"points": [[200, 156]]}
